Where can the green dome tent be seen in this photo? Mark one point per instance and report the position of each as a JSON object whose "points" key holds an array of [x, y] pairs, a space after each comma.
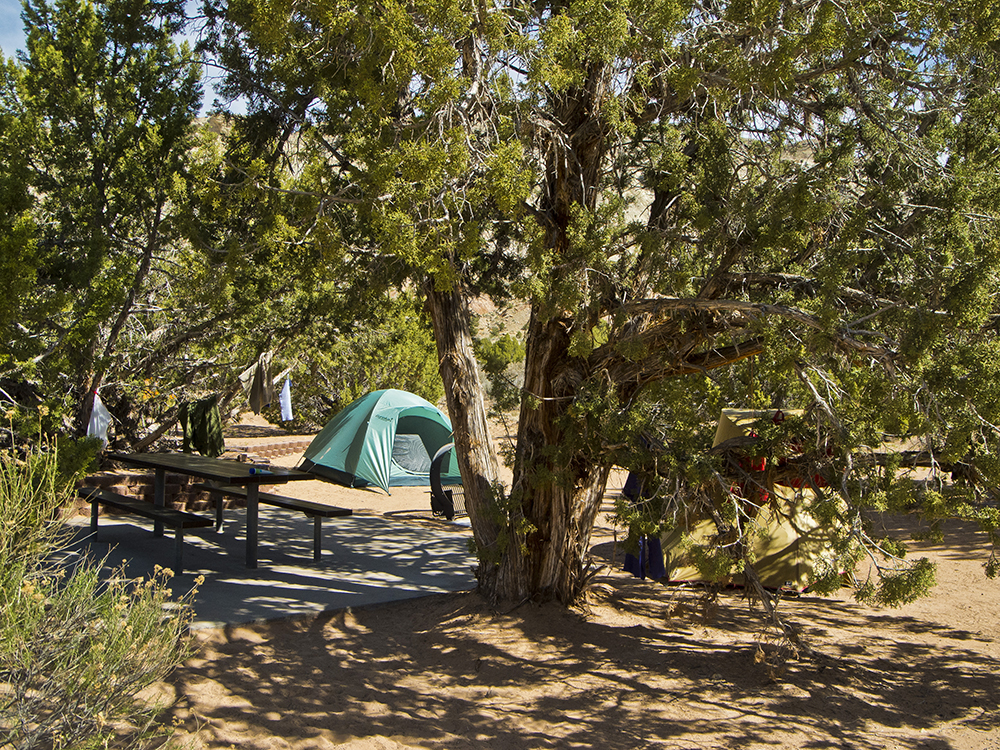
{"points": [[386, 438]]}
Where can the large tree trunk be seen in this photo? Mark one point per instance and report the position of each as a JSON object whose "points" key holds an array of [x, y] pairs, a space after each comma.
{"points": [[557, 482], [500, 573], [536, 542]]}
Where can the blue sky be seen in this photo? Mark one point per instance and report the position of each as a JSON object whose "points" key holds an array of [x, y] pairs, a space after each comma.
{"points": [[11, 29]]}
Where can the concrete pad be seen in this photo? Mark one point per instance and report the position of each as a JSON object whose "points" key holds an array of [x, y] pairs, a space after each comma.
{"points": [[367, 559]]}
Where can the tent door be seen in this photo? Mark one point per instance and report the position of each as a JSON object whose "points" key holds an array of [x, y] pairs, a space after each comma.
{"points": [[409, 453]]}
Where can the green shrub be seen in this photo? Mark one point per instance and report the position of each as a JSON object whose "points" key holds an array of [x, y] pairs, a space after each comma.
{"points": [[497, 355], [76, 648]]}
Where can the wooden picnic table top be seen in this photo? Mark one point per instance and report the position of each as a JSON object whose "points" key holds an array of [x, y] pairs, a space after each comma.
{"points": [[223, 470]]}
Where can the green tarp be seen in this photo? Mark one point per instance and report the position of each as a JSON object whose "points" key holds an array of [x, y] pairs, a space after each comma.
{"points": [[386, 439]]}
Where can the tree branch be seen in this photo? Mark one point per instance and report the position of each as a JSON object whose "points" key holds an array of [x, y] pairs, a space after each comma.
{"points": [[670, 305]]}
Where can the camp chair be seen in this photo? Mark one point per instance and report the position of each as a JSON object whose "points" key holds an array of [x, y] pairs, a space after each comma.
{"points": [[445, 501]]}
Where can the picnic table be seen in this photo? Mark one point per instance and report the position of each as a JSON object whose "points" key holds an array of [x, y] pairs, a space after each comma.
{"points": [[218, 471]]}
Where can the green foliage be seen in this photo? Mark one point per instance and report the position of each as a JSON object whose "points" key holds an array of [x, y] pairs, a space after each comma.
{"points": [[32, 491], [670, 187], [712, 562], [94, 124], [500, 356], [76, 647], [18, 247], [28, 431], [503, 509], [897, 587], [391, 348]]}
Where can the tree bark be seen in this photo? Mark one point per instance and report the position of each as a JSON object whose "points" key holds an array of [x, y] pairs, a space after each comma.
{"points": [[500, 572], [559, 488], [534, 543], [540, 546]]}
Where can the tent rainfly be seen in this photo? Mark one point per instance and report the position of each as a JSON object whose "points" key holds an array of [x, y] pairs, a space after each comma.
{"points": [[787, 543], [386, 439]]}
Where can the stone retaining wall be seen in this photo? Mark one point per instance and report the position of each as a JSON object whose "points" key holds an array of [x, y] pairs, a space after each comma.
{"points": [[271, 450], [179, 493]]}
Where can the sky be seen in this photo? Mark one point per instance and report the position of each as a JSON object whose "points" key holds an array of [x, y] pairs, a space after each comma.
{"points": [[11, 29]]}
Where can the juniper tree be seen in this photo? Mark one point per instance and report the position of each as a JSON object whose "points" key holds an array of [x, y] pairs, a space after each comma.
{"points": [[102, 99], [705, 204]]}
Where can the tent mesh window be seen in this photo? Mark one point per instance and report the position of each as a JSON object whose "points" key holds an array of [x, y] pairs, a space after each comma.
{"points": [[409, 452]]}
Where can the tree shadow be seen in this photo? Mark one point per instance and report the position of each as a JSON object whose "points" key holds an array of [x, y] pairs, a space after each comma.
{"points": [[963, 540], [634, 670]]}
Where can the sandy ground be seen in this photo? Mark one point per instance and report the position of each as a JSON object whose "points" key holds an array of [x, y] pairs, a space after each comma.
{"points": [[640, 666]]}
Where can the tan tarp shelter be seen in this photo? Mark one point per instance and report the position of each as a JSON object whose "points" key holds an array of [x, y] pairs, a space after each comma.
{"points": [[787, 543]]}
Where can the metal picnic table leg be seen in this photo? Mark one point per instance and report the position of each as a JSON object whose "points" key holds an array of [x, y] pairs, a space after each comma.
{"points": [[219, 499], [179, 551], [253, 497], [159, 497]]}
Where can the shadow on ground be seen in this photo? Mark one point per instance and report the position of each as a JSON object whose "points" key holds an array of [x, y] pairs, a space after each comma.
{"points": [[641, 666], [445, 672], [365, 559]]}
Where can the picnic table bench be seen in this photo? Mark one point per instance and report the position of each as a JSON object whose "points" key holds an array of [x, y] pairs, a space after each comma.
{"points": [[316, 511], [175, 519]]}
